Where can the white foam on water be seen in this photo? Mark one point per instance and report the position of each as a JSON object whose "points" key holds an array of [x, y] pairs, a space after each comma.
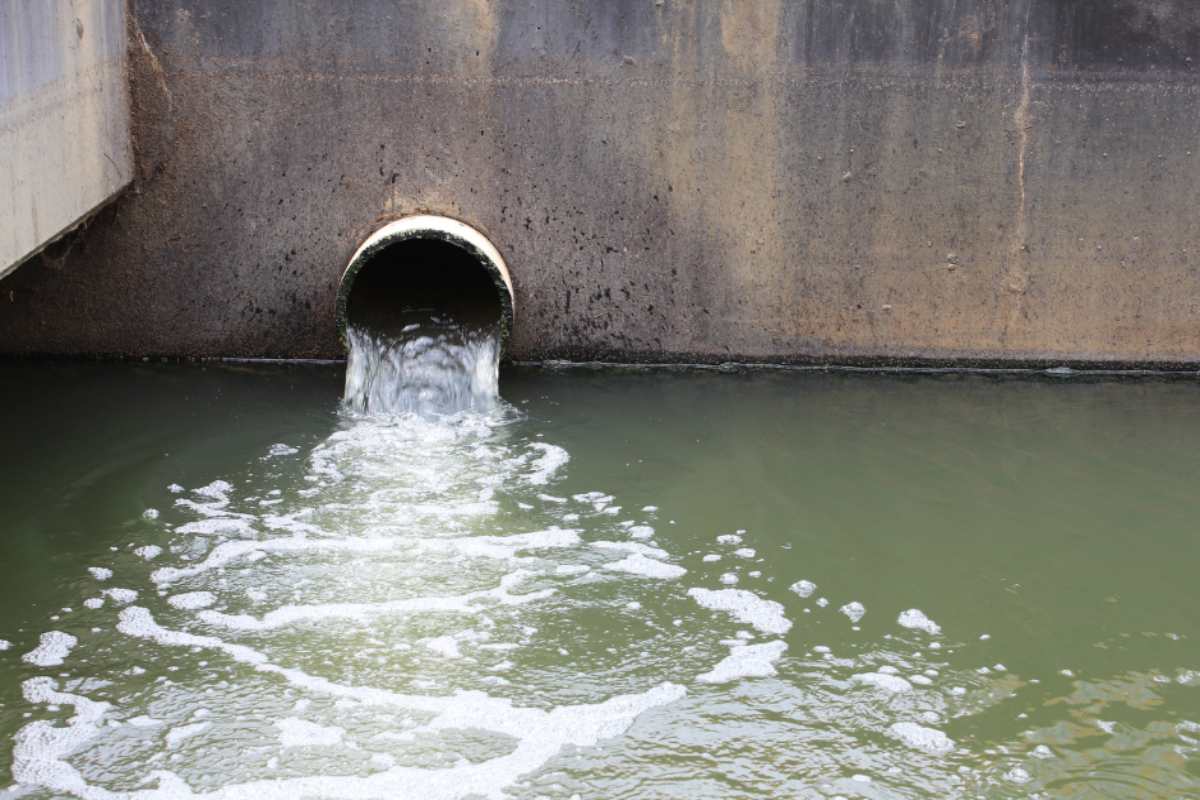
{"points": [[148, 552], [150, 513], [711, 558], [191, 601], [804, 588], [100, 573], [217, 526], [444, 646], [729, 578], [881, 680], [143, 721], [176, 736], [540, 734], [295, 732], [121, 596], [766, 616], [632, 547], [746, 661], [5, 644], [467, 603], [638, 564], [745, 552], [546, 466], [1017, 775], [94, 602], [281, 449], [641, 531], [217, 490], [1042, 752], [52, 649], [918, 737], [915, 619], [41, 748], [729, 538], [854, 610]]}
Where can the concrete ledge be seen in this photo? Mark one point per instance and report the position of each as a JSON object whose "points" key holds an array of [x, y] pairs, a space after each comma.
{"points": [[65, 145]]}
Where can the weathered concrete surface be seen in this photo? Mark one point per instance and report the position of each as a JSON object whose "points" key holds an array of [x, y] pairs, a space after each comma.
{"points": [[64, 118], [791, 180]]}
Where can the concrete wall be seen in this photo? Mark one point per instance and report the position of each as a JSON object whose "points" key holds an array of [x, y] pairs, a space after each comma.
{"points": [[865, 181], [64, 118]]}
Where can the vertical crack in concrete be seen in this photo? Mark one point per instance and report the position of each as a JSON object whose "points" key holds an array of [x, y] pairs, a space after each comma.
{"points": [[155, 65], [1016, 277]]}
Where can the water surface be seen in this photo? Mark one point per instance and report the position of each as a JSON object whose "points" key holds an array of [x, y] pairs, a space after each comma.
{"points": [[594, 589]]}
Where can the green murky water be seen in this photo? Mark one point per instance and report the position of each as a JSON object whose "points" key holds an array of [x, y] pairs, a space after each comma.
{"points": [[596, 591]]}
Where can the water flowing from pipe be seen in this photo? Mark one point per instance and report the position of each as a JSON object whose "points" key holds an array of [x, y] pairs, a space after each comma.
{"points": [[432, 367]]}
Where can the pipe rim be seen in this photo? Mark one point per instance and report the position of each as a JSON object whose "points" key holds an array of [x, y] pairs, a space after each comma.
{"points": [[430, 226]]}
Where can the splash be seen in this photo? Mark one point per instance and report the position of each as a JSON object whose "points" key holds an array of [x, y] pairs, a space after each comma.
{"points": [[429, 368]]}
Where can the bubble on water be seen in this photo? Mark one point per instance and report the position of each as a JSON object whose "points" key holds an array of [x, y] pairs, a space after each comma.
{"points": [[150, 513], [729, 538], [746, 607], [638, 564], [148, 552], [52, 649], [94, 602], [729, 578], [746, 661], [879, 680], [444, 646], [915, 619], [552, 459], [191, 601], [176, 736], [294, 732], [144, 721], [804, 588], [854, 610], [1017, 775], [711, 558], [918, 737], [100, 573]]}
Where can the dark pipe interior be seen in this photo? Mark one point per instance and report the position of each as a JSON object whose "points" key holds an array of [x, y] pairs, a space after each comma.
{"points": [[411, 280]]}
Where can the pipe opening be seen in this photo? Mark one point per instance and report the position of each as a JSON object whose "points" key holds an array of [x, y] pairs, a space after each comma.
{"points": [[421, 268], [415, 281], [423, 308]]}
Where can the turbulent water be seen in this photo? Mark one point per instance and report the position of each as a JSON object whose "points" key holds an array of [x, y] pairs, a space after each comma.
{"points": [[537, 603], [429, 367]]}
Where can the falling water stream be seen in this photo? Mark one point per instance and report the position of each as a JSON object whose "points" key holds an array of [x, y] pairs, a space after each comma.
{"points": [[431, 367], [607, 585]]}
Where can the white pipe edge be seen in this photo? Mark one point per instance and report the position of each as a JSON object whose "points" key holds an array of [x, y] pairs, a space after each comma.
{"points": [[421, 226]]}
